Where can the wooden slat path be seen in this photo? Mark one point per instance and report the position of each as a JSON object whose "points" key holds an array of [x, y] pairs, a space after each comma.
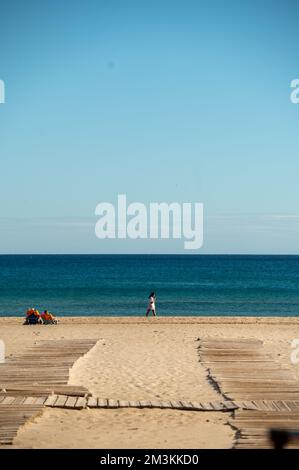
{"points": [[12, 416], [58, 401], [29, 380], [258, 384], [41, 390], [255, 388], [62, 401], [47, 363], [253, 427]]}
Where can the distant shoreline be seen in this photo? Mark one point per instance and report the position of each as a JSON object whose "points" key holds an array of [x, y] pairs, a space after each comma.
{"points": [[161, 320]]}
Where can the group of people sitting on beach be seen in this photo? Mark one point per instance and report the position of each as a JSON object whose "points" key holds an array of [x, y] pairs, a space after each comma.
{"points": [[33, 317]]}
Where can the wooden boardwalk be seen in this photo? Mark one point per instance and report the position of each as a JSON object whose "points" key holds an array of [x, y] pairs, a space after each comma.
{"points": [[58, 401], [253, 427], [47, 363], [269, 394], [12, 417], [27, 380], [255, 389]]}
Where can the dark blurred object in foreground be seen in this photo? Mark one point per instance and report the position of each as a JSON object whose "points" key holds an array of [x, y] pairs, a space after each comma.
{"points": [[281, 437]]}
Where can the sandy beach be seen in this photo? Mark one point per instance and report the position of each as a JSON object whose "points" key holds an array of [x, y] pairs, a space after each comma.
{"points": [[139, 359]]}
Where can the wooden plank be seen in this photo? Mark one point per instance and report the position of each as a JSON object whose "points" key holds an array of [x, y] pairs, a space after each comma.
{"points": [[8, 401], [186, 405], [216, 406], [30, 401], [166, 404], [286, 405], [207, 406], [255, 348], [51, 400], [71, 402], [176, 404], [294, 405], [112, 403], [145, 404], [246, 360], [19, 400], [92, 402], [61, 401], [228, 342], [40, 400], [230, 405], [155, 404], [80, 403], [196, 405], [247, 405], [249, 414], [134, 404], [259, 380], [102, 403], [123, 403]]}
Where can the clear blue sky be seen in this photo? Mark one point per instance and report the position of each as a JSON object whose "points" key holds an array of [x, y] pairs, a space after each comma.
{"points": [[161, 100]]}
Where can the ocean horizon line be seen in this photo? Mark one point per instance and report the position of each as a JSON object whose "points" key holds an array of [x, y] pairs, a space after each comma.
{"points": [[149, 254]]}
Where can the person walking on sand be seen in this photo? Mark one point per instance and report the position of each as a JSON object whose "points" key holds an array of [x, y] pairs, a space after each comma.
{"points": [[151, 305]]}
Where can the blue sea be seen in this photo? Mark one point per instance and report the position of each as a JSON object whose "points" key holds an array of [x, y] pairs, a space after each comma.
{"points": [[102, 285]]}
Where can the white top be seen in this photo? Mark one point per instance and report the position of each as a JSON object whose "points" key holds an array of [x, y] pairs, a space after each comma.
{"points": [[151, 304]]}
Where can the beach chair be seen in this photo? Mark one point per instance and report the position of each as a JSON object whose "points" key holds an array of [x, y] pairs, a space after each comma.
{"points": [[48, 318], [53, 321]]}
